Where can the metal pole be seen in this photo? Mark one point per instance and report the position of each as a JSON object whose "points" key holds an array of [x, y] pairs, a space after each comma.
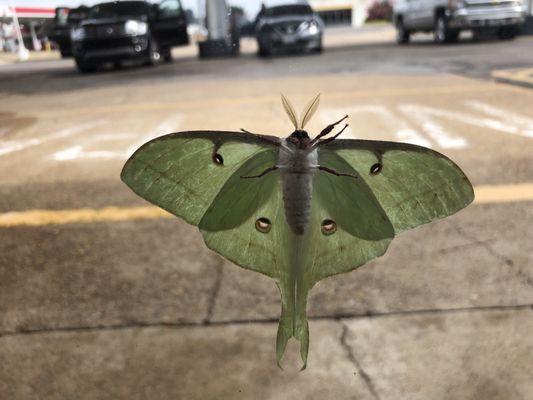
{"points": [[23, 53], [217, 19]]}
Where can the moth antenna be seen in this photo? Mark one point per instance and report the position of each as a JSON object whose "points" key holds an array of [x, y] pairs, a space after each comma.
{"points": [[289, 109], [309, 110]]}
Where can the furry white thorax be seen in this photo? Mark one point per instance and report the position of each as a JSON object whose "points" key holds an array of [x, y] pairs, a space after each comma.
{"points": [[297, 167]]}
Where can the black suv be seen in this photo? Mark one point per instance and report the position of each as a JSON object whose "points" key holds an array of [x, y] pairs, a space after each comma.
{"points": [[122, 30]]}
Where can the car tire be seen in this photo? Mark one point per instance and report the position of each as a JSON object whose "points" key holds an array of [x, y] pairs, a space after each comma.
{"points": [[167, 55], [154, 53], [442, 32], [264, 51], [319, 48], [507, 33], [65, 53], [84, 67], [402, 35]]}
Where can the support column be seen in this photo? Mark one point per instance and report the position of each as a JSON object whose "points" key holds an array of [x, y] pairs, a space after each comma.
{"points": [[23, 53], [34, 39], [220, 41]]}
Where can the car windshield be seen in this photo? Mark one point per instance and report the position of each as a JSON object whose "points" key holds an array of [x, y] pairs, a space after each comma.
{"points": [[118, 9], [76, 15], [279, 11]]}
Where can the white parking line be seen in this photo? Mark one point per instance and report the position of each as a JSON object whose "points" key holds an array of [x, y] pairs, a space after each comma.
{"points": [[18, 145]]}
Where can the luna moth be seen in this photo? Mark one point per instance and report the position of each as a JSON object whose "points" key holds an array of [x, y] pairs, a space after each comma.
{"points": [[296, 209]]}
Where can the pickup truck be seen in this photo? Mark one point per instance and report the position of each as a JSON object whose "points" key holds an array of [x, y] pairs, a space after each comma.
{"points": [[447, 18]]}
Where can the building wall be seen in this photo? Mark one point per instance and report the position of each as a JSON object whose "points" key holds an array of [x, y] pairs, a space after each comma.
{"points": [[342, 12]]}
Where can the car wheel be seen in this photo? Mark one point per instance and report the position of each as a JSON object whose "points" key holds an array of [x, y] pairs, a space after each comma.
{"points": [[319, 48], [65, 53], [167, 56], [264, 50], [85, 67], [402, 35], [154, 54], [507, 33], [442, 32]]}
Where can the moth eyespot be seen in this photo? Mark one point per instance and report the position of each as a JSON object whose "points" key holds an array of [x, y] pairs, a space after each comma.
{"points": [[263, 225], [329, 227], [217, 159], [376, 168]]}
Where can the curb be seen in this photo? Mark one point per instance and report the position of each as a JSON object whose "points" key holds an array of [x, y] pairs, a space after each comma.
{"points": [[519, 77]]}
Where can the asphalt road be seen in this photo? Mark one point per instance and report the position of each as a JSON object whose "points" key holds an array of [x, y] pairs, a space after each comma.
{"points": [[101, 296]]}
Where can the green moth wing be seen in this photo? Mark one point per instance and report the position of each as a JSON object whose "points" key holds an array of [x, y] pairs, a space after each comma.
{"points": [[245, 222], [183, 172], [256, 236], [414, 185]]}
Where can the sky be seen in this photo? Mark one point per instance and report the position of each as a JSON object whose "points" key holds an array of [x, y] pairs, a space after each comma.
{"points": [[251, 7]]}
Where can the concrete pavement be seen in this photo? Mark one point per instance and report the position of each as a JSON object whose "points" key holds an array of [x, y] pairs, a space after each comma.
{"points": [[139, 309]]}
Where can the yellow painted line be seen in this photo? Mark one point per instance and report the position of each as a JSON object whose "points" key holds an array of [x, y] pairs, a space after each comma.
{"points": [[504, 193], [493, 194], [82, 215]]}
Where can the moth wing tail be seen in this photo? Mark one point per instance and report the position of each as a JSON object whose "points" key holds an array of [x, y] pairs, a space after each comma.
{"points": [[292, 324]]}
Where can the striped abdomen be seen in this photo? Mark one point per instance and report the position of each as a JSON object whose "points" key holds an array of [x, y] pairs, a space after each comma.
{"points": [[298, 168], [297, 192]]}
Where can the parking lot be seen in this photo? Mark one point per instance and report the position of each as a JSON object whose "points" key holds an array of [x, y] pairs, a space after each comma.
{"points": [[102, 296]]}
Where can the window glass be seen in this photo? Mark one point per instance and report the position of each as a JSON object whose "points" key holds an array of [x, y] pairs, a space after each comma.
{"points": [[170, 8], [288, 10], [119, 9]]}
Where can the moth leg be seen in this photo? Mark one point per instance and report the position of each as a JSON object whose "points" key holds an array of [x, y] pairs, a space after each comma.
{"points": [[266, 171], [330, 171], [331, 139], [265, 138], [327, 130]]}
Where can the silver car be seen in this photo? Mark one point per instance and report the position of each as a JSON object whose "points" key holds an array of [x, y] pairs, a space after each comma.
{"points": [[288, 26], [446, 18]]}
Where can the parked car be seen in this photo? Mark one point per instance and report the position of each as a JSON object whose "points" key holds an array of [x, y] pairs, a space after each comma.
{"points": [[65, 20], [123, 30], [447, 18], [292, 25]]}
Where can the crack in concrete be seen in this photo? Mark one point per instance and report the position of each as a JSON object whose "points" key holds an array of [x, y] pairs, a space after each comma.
{"points": [[499, 256], [451, 249], [336, 317], [211, 303], [351, 356]]}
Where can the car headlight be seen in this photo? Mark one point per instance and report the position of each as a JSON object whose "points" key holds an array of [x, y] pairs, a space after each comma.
{"points": [[309, 27], [77, 34], [133, 27]]}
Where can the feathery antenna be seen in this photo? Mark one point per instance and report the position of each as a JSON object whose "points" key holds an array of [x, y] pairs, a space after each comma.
{"points": [[309, 110], [289, 109]]}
